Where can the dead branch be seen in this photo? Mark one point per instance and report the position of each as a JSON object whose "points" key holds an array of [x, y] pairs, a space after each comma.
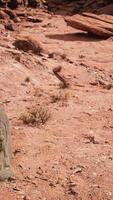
{"points": [[56, 71]]}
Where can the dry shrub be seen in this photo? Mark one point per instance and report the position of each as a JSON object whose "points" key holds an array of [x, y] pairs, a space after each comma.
{"points": [[59, 97], [36, 116], [30, 44]]}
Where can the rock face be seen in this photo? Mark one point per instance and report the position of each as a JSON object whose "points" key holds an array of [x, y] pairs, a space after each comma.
{"points": [[5, 146], [16, 3], [61, 6], [76, 6]]}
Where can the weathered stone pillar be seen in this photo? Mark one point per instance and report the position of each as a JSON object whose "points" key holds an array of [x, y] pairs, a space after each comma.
{"points": [[5, 146]]}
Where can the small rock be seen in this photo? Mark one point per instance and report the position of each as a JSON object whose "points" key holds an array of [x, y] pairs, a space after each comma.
{"points": [[96, 186], [9, 27], [23, 84], [3, 15], [11, 179], [17, 19], [10, 13], [52, 184], [78, 170], [26, 198], [16, 189], [72, 191], [111, 157], [16, 152], [2, 27], [27, 79], [34, 20], [110, 109]]}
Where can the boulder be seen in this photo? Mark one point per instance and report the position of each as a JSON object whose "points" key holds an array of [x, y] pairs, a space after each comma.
{"points": [[99, 25]]}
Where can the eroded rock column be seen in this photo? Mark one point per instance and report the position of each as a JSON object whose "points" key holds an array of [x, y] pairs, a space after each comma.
{"points": [[5, 146]]}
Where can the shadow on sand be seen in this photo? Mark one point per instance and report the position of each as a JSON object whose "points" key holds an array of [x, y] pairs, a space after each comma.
{"points": [[82, 36]]}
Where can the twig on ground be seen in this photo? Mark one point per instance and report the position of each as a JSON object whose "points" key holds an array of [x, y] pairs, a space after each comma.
{"points": [[56, 71]]}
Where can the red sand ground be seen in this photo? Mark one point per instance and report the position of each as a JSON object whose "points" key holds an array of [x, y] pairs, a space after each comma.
{"points": [[71, 156]]}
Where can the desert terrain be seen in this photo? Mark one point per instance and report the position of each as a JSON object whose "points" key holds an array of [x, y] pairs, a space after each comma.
{"points": [[66, 151]]}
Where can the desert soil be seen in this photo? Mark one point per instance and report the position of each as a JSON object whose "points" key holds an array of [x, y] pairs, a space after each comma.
{"points": [[70, 157]]}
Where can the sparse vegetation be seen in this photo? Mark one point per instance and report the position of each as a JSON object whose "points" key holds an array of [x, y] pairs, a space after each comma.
{"points": [[59, 97], [36, 116], [59, 102]]}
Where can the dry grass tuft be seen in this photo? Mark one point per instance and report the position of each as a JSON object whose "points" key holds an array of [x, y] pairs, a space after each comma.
{"points": [[59, 97], [36, 116]]}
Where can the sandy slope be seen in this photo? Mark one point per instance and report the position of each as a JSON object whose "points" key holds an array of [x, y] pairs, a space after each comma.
{"points": [[71, 156]]}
